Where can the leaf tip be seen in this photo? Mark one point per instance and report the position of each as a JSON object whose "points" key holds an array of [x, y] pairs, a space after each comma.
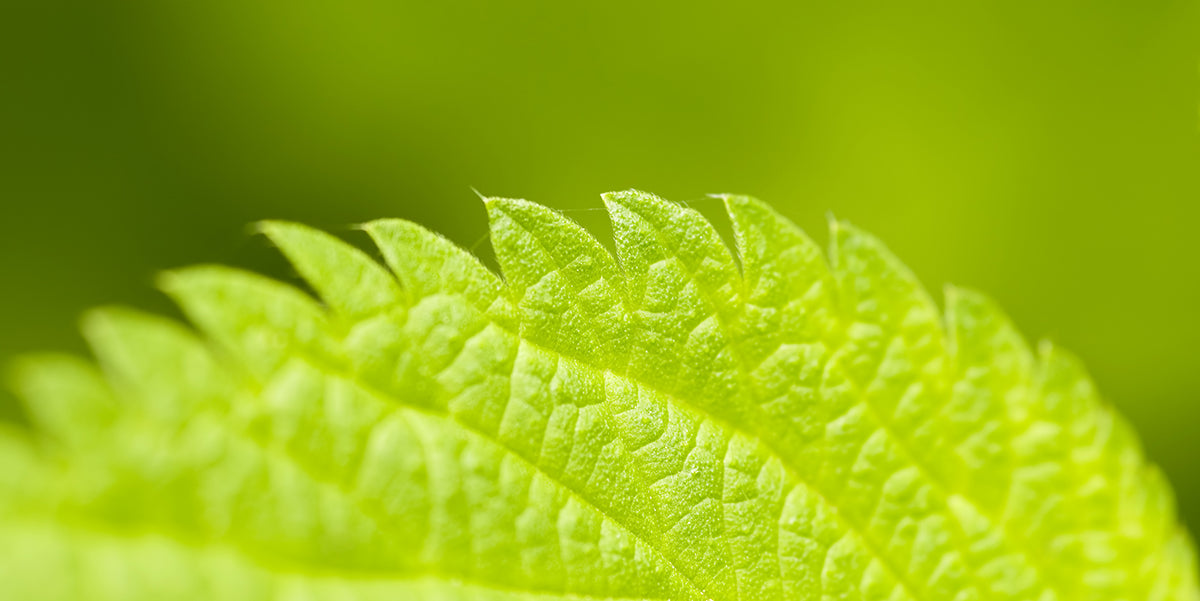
{"points": [[266, 227], [497, 206], [172, 281], [735, 203], [963, 297], [630, 199], [99, 320]]}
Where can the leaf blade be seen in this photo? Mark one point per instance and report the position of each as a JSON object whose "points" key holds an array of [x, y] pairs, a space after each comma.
{"points": [[667, 425]]}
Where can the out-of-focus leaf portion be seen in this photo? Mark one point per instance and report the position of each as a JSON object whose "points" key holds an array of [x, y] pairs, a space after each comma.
{"points": [[668, 423]]}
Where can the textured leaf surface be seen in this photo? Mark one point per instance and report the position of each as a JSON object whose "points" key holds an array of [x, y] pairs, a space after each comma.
{"points": [[668, 423]]}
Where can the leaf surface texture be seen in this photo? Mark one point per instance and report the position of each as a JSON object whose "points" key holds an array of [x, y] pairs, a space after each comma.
{"points": [[673, 421]]}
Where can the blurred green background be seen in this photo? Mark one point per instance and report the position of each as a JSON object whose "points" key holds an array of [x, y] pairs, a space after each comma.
{"points": [[1047, 152]]}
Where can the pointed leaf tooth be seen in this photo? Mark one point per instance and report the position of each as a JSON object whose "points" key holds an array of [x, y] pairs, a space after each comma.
{"points": [[1067, 396], [772, 248], [993, 387], [876, 287], [1100, 473], [427, 263], [789, 288], [982, 335], [154, 362], [566, 285], [261, 321], [66, 397], [895, 350], [352, 283], [21, 470], [1066, 390], [533, 241], [649, 229], [788, 323], [683, 295]]}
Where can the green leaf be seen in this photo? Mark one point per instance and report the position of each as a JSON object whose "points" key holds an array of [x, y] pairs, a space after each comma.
{"points": [[668, 423]]}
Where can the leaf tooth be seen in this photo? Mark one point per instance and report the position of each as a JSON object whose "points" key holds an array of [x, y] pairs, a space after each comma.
{"points": [[789, 289], [992, 388], [532, 241], [349, 281], [893, 329], [773, 248], [427, 263], [568, 288], [1106, 480], [1067, 392], [980, 334], [1066, 395], [65, 396], [154, 362], [993, 362], [21, 470], [259, 320], [875, 286], [649, 230]]}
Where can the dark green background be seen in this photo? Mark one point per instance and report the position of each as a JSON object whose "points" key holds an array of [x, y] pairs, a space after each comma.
{"points": [[1045, 152]]}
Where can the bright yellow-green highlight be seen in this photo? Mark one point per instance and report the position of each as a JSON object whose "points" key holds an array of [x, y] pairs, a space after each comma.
{"points": [[666, 423]]}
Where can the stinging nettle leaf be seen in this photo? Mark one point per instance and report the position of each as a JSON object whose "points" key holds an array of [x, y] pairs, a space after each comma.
{"points": [[677, 421]]}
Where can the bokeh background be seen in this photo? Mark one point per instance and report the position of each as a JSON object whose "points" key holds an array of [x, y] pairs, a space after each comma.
{"points": [[1047, 152]]}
